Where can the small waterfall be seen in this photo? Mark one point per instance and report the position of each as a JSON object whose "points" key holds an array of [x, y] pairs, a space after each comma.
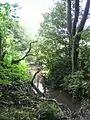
{"points": [[40, 87]]}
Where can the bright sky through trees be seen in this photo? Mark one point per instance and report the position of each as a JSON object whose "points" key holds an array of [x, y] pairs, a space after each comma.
{"points": [[31, 12]]}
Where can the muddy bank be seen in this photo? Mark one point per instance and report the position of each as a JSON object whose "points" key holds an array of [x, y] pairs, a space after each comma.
{"points": [[65, 98]]}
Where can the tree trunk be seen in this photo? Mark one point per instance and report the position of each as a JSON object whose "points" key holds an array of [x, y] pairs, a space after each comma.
{"points": [[0, 47], [76, 52], [69, 26], [69, 19], [78, 35], [73, 55]]}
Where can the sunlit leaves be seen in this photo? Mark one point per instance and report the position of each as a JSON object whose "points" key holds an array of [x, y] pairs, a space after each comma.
{"points": [[52, 41]]}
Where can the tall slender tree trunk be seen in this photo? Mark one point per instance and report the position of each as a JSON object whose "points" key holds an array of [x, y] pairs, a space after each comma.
{"points": [[74, 31], [76, 52], [69, 27], [72, 57], [78, 35], [0, 48]]}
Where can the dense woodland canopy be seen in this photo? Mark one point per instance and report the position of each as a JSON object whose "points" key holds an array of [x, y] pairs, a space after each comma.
{"points": [[62, 48]]}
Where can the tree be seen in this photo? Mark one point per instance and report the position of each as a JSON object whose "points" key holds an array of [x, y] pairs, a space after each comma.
{"points": [[74, 30], [58, 43], [13, 41], [53, 47], [8, 22]]}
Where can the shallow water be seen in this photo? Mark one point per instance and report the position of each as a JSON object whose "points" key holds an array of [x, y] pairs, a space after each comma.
{"points": [[40, 87]]}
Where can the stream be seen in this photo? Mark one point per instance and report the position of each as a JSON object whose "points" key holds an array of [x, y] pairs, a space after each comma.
{"points": [[61, 97]]}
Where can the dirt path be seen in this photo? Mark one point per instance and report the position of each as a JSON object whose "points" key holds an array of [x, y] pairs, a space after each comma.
{"points": [[65, 98]]}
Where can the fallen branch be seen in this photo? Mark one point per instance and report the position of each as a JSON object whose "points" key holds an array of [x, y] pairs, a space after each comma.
{"points": [[34, 87], [27, 54], [61, 106], [6, 103]]}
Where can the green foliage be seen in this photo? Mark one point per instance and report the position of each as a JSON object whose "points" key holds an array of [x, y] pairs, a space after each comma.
{"points": [[13, 44], [86, 34], [23, 104], [13, 41], [10, 73], [17, 101], [54, 51], [77, 86], [84, 59], [53, 46], [25, 113], [49, 111]]}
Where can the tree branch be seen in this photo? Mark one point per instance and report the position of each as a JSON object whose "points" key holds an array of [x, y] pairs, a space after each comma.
{"points": [[61, 106], [76, 17], [84, 17], [27, 53], [35, 88]]}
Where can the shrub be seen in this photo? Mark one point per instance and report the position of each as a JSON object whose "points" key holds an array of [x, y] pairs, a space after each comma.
{"points": [[77, 86], [59, 70], [10, 73], [49, 111]]}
